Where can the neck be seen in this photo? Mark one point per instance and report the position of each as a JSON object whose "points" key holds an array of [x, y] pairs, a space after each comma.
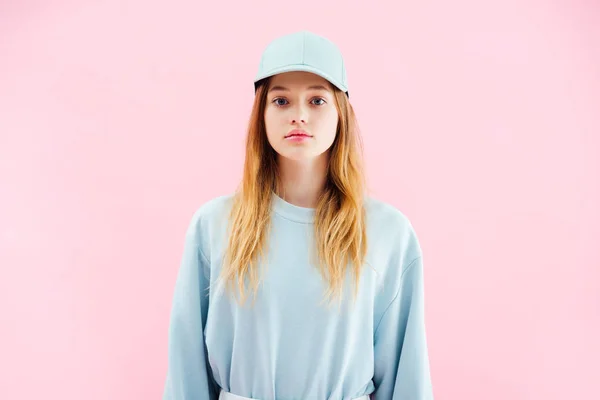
{"points": [[303, 181]]}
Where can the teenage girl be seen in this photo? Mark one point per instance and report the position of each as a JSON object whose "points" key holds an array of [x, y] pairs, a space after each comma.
{"points": [[299, 286]]}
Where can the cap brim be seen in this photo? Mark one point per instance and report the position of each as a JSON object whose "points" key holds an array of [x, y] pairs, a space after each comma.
{"points": [[301, 67]]}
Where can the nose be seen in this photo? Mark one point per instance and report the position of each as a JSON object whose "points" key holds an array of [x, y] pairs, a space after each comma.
{"points": [[299, 115]]}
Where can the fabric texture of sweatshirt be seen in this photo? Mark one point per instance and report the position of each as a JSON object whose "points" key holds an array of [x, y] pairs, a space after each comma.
{"points": [[286, 344]]}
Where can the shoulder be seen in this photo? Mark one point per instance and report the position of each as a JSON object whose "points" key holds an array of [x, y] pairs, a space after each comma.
{"points": [[208, 222], [392, 231], [387, 217], [379, 209], [215, 207], [213, 210]]}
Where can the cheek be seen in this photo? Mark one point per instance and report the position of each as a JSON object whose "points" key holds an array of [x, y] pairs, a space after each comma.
{"points": [[328, 124], [273, 116], [270, 123]]}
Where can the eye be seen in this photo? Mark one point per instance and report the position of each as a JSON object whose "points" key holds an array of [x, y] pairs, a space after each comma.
{"points": [[278, 104]]}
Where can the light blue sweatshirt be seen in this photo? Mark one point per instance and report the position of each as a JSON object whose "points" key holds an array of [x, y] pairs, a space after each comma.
{"points": [[288, 346]]}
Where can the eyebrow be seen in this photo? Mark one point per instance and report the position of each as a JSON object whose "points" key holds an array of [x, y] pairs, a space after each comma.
{"points": [[317, 87]]}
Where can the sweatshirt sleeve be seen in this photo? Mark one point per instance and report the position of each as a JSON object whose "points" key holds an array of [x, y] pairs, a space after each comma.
{"points": [[188, 372], [400, 345]]}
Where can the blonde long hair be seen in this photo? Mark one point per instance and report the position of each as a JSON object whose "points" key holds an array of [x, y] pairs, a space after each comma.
{"points": [[340, 229]]}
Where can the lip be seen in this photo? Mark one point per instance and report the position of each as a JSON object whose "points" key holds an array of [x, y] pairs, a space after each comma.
{"points": [[297, 133]]}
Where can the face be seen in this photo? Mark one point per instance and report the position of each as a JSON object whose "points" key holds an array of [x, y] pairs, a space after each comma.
{"points": [[295, 102]]}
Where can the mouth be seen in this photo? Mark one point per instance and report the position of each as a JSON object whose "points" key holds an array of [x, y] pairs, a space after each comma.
{"points": [[297, 133]]}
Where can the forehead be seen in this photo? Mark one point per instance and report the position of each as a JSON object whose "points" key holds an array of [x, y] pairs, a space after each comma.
{"points": [[297, 80]]}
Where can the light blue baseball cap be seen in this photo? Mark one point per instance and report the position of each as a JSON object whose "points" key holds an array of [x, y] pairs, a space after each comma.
{"points": [[303, 51]]}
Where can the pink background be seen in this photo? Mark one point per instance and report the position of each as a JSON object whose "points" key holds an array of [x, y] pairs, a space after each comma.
{"points": [[480, 121]]}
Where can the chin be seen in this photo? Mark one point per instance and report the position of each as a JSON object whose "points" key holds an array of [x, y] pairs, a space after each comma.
{"points": [[301, 154], [298, 156]]}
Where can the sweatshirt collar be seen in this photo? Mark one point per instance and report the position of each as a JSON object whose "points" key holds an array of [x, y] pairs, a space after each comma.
{"points": [[291, 211]]}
